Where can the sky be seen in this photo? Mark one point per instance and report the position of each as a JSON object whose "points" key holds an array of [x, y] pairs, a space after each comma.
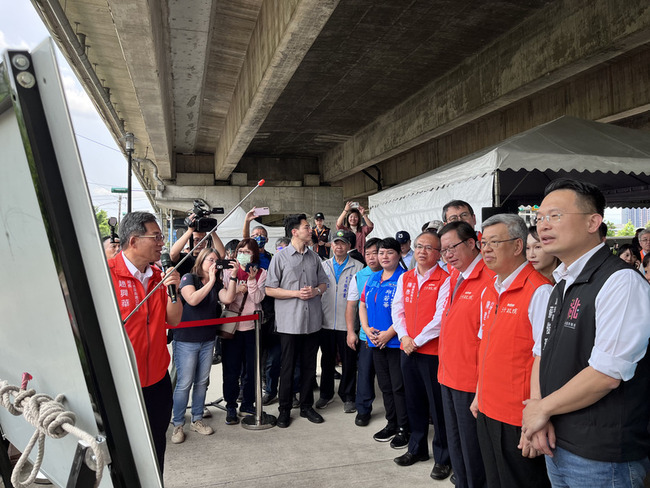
{"points": [[104, 164]]}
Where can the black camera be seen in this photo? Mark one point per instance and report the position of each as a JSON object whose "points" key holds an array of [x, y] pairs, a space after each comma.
{"points": [[203, 223]]}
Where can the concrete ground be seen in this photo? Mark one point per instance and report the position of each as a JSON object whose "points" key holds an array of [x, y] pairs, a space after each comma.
{"points": [[334, 453]]}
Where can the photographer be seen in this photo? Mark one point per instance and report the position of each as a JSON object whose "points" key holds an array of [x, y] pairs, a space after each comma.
{"points": [[352, 218], [111, 246], [239, 351], [260, 236], [176, 253]]}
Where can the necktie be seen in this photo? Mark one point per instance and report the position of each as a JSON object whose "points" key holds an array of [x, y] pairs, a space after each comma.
{"points": [[460, 280]]}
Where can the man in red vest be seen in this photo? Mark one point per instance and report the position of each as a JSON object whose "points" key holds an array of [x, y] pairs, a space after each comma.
{"points": [[417, 309], [513, 309], [133, 278], [458, 349]]}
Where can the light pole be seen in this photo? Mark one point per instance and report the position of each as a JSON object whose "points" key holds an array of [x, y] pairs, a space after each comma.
{"points": [[129, 145]]}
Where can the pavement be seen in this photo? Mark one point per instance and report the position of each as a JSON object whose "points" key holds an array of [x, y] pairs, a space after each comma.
{"points": [[334, 453]]}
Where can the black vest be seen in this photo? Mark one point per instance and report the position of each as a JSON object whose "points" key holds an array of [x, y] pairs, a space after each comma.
{"points": [[615, 428]]}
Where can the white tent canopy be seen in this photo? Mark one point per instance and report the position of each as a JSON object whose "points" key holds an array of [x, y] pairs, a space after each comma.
{"points": [[516, 171]]}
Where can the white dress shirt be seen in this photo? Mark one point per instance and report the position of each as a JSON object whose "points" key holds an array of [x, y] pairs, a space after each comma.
{"points": [[432, 329], [622, 318]]}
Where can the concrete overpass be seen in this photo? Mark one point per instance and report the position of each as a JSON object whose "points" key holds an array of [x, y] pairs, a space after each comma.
{"points": [[329, 99]]}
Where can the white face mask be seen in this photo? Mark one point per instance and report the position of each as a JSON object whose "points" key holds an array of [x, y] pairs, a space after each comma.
{"points": [[243, 259]]}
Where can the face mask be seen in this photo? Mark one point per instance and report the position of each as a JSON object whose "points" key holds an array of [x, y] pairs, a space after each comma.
{"points": [[243, 259], [261, 241]]}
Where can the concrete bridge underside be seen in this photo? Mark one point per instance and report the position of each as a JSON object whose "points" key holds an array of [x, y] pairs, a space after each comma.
{"points": [[310, 93]]}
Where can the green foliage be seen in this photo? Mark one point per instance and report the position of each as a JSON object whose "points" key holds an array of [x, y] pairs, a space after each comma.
{"points": [[627, 230], [611, 228], [102, 222]]}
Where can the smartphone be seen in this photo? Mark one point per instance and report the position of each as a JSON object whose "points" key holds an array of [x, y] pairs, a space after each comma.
{"points": [[354, 205], [261, 211], [224, 263]]}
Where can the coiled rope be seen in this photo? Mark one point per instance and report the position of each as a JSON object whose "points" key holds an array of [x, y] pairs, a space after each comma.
{"points": [[50, 418]]}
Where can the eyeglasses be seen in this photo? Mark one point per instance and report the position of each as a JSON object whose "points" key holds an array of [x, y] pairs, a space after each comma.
{"points": [[556, 217], [495, 244], [451, 249], [420, 247], [155, 237], [462, 216]]}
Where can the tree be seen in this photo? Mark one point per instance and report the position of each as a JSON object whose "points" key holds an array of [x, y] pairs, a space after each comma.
{"points": [[102, 222], [627, 230], [611, 228]]}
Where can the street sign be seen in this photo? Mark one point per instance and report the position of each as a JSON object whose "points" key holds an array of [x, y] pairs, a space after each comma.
{"points": [[119, 190]]}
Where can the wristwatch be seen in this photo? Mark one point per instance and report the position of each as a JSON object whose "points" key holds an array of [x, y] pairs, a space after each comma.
{"points": [[233, 278]]}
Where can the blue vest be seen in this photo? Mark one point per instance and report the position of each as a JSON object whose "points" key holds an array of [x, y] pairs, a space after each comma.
{"points": [[379, 300]]}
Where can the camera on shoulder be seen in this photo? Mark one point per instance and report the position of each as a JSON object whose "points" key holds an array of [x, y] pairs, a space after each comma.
{"points": [[201, 211]]}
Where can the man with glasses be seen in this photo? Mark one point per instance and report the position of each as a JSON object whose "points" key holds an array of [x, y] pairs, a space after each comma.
{"points": [[458, 349], [133, 278], [644, 241], [459, 210], [417, 310], [591, 388], [297, 281], [512, 318]]}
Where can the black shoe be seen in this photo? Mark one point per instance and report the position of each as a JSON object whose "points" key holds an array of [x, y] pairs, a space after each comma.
{"points": [[401, 440], [284, 419], [267, 399], [362, 419], [453, 479], [337, 375], [311, 415], [231, 416], [408, 459], [440, 471], [323, 402], [385, 434], [216, 359]]}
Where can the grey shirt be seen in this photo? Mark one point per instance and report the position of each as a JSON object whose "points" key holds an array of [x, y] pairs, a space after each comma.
{"points": [[292, 270]]}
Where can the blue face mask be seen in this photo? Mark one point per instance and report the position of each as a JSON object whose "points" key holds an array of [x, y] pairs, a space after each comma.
{"points": [[261, 241]]}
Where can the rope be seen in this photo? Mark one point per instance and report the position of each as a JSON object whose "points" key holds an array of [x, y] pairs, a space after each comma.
{"points": [[49, 418]]}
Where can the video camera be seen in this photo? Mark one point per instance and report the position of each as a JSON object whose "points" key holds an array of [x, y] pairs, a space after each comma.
{"points": [[201, 210]]}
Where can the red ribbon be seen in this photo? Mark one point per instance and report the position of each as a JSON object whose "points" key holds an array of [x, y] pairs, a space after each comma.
{"points": [[222, 320]]}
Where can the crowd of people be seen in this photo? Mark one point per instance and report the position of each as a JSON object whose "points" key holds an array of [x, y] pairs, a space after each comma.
{"points": [[524, 347]]}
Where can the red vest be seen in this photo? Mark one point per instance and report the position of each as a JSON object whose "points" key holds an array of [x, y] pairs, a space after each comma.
{"points": [[420, 305], [506, 351], [147, 327], [459, 342]]}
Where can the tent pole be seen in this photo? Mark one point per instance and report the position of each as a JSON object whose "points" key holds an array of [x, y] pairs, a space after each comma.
{"points": [[496, 198]]}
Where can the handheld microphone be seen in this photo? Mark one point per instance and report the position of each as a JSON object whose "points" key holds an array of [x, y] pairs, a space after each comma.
{"points": [[167, 263]]}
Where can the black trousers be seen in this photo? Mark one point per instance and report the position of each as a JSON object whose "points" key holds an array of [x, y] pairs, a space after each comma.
{"points": [[424, 400], [505, 467], [158, 402], [391, 384], [305, 347], [330, 342]]}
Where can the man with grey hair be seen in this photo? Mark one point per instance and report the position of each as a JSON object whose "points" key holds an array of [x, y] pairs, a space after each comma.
{"points": [[133, 278], [644, 241], [512, 317]]}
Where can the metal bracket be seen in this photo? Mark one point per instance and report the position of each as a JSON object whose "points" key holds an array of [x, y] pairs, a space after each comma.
{"points": [[376, 180], [84, 465]]}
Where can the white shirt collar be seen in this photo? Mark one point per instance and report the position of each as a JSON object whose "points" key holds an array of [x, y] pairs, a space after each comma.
{"points": [[427, 273], [501, 287], [570, 273], [137, 274], [466, 274]]}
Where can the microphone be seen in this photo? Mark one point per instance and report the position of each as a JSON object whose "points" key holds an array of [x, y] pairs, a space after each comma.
{"points": [[167, 263]]}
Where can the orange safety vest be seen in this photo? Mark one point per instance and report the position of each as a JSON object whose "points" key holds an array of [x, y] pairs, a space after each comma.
{"points": [[147, 327], [459, 342], [506, 351], [420, 304]]}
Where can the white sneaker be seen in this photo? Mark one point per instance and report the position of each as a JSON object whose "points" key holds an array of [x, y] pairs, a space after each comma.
{"points": [[178, 436], [201, 428], [206, 413]]}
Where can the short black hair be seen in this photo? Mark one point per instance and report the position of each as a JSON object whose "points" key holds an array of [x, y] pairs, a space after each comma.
{"points": [[455, 203], [371, 242], [463, 229], [589, 196], [231, 245], [293, 222]]}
